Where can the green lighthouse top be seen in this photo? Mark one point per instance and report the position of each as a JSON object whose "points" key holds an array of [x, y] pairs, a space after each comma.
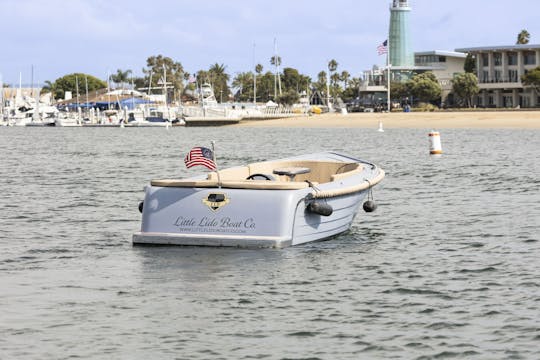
{"points": [[400, 5]]}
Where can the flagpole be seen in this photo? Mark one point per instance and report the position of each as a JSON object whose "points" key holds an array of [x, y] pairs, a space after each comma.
{"points": [[215, 162], [388, 65], [254, 78]]}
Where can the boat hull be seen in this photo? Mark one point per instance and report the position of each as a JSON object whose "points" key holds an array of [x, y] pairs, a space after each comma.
{"points": [[247, 217]]}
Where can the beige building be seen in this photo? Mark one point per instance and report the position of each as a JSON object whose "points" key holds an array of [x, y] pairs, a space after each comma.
{"points": [[499, 70], [444, 65]]}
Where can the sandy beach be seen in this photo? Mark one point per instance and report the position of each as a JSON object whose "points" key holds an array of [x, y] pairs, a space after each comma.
{"points": [[420, 120]]}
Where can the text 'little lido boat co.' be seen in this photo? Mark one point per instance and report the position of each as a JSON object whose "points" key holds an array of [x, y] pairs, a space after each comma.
{"points": [[265, 204]]}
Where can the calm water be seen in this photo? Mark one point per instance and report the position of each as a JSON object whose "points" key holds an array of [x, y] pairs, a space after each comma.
{"points": [[446, 268]]}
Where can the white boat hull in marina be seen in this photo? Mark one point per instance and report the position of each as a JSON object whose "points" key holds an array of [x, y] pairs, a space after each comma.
{"points": [[67, 122], [308, 198]]}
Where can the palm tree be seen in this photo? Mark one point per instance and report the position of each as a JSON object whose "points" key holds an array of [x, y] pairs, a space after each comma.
{"points": [[218, 71], [47, 87], [335, 87], [121, 77], [345, 76], [320, 84], [321, 77], [355, 83], [244, 83], [258, 71], [220, 78], [332, 65], [523, 37], [202, 76], [276, 61]]}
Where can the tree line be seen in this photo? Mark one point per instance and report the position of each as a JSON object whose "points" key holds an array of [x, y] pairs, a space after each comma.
{"points": [[162, 72], [280, 85]]}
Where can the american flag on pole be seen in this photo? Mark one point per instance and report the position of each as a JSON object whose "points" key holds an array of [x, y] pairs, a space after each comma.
{"points": [[200, 156], [383, 48]]}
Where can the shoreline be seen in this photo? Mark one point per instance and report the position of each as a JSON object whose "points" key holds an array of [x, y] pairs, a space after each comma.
{"points": [[413, 120]]}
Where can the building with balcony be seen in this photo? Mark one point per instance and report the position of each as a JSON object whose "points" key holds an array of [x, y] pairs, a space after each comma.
{"points": [[499, 70]]}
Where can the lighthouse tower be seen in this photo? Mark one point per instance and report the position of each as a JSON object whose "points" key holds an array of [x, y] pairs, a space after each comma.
{"points": [[401, 54]]}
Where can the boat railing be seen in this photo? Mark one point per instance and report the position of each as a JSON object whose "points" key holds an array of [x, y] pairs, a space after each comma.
{"points": [[197, 111], [258, 112]]}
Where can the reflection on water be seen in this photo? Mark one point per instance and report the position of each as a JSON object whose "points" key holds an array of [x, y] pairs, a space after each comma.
{"points": [[445, 268]]}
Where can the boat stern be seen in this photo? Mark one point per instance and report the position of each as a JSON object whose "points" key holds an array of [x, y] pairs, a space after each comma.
{"points": [[217, 217]]}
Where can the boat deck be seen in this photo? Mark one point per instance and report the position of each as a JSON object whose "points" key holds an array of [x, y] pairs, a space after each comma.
{"points": [[284, 175]]}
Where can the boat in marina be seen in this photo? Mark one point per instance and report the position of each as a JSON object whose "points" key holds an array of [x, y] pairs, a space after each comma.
{"points": [[212, 113], [155, 116], [40, 116], [209, 112], [275, 203], [68, 120]]}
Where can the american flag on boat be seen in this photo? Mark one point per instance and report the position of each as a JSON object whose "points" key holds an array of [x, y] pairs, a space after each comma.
{"points": [[200, 156]]}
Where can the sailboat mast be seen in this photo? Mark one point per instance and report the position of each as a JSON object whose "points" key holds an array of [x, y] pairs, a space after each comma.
{"points": [[1, 99], [150, 84], [77, 90], [37, 115], [278, 61], [86, 86], [32, 80], [254, 78], [132, 92], [275, 71], [165, 84], [108, 90]]}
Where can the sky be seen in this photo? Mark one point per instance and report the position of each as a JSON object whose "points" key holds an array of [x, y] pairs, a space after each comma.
{"points": [[97, 37]]}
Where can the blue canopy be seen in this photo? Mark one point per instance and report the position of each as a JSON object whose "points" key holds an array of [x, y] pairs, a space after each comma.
{"points": [[130, 103], [73, 106]]}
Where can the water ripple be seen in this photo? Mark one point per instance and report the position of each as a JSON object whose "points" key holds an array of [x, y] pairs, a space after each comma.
{"points": [[445, 269]]}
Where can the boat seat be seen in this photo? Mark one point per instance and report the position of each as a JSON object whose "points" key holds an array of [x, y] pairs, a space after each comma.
{"points": [[319, 171], [348, 173], [291, 171]]}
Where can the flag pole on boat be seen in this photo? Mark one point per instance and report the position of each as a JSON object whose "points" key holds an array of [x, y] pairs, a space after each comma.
{"points": [[215, 162]]}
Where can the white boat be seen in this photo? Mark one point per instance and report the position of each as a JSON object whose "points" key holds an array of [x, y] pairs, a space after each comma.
{"points": [[41, 116], [68, 120], [267, 204]]}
